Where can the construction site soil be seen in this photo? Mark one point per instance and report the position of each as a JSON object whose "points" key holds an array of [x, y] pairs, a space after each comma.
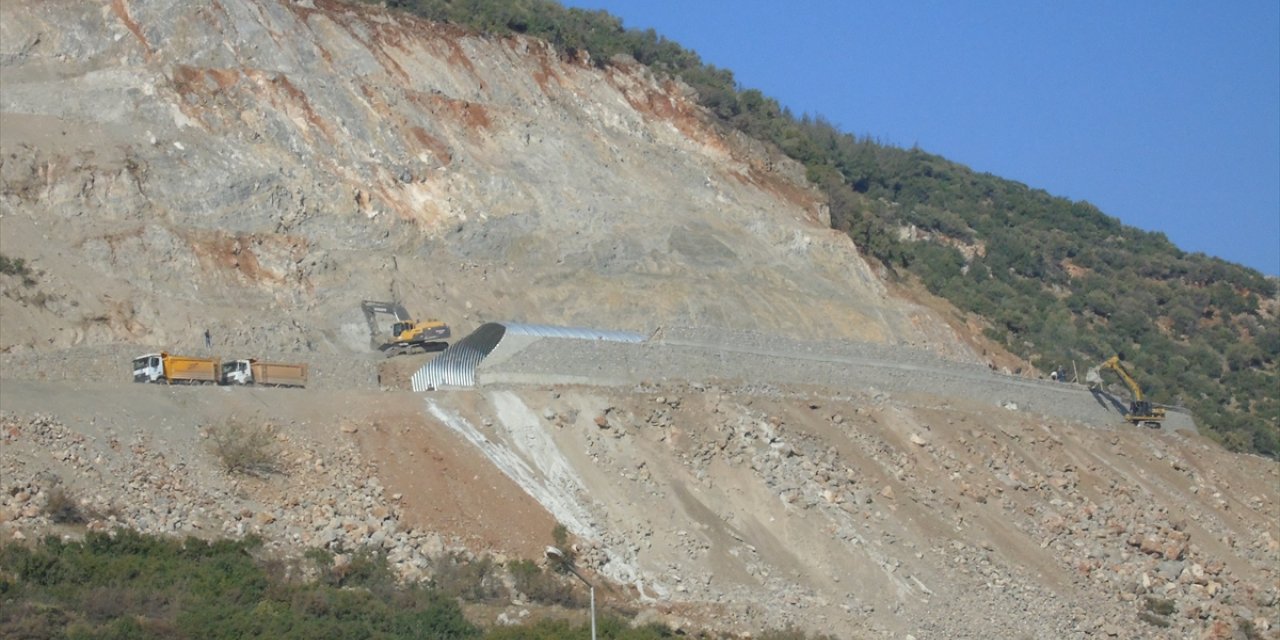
{"points": [[863, 510], [802, 441]]}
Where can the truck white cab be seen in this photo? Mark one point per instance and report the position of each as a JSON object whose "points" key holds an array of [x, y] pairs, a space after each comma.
{"points": [[237, 372], [148, 368]]}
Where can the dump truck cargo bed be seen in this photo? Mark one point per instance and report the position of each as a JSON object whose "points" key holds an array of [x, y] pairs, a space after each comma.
{"points": [[190, 369], [280, 374]]}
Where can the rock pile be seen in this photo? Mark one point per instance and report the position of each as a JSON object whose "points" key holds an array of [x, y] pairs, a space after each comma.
{"points": [[863, 514], [1014, 500], [56, 479]]}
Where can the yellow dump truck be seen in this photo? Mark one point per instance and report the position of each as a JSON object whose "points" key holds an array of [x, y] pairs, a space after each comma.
{"points": [[168, 368], [254, 371]]}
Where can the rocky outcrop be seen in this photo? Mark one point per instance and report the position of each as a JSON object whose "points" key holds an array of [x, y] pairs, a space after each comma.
{"points": [[261, 166]]}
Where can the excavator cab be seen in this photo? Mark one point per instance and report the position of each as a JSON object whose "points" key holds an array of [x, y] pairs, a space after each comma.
{"points": [[400, 328]]}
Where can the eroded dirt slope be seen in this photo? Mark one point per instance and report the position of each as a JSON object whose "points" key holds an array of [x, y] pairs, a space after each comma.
{"points": [[256, 168], [862, 514], [917, 514]]}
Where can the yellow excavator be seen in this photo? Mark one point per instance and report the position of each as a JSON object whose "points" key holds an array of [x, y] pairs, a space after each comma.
{"points": [[406, 334], [1141, 411]]}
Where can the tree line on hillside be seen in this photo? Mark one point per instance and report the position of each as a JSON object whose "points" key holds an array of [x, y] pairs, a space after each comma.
{"points": [[1058, 281]]}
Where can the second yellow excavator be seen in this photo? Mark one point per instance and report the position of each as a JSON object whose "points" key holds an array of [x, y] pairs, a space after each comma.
{"points": [[1141, 410]]}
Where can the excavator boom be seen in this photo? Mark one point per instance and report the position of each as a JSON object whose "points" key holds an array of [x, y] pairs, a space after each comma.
{"points": [[1141, 411], [1114, 364]]}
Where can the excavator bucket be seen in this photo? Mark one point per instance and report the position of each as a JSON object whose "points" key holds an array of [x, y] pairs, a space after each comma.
{"points": [[1093, 378]]}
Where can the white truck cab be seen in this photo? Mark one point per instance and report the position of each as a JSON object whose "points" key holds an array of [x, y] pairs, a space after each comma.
{"points": [[148, 368], [236, 372]]}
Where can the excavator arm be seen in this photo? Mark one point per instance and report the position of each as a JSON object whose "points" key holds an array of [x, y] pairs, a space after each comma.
{"points": [[393, 309], [1113, 363], [1141, 411], [372, 308]]}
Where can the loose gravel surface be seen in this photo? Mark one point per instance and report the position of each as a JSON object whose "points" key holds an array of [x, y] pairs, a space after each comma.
{"points": [[692, 355], [863, 491]]}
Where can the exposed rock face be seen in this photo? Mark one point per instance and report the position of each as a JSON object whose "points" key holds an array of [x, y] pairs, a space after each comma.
{"points": [[260, 167], [257, 168]]}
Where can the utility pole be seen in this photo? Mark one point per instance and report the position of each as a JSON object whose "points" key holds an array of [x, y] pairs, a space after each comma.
{"points": [[558, 556]]}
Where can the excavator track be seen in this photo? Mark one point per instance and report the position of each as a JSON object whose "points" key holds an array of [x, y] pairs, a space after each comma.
{"points": [[397, 349]]}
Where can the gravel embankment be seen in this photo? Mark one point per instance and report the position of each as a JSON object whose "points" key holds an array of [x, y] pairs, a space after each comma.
{"points": [[691, 355]]}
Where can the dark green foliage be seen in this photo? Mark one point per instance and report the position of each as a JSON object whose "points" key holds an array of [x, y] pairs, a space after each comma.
{"points": [[472, 580], [13, 266], [17, 267], [134, 586], [127, 585], [1185, 330], [545, 587], [560, 536], [1058, 281]]}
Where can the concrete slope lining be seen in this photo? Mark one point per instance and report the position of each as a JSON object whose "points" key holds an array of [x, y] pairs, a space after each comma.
{"points": [[529, 457], [456, 366]]}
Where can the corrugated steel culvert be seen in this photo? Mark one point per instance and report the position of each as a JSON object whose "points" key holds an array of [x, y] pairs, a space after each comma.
{"points": [[456, 366]]}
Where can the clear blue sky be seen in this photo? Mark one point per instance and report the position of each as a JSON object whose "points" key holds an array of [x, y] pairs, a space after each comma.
{"points": [[1165, 114]]}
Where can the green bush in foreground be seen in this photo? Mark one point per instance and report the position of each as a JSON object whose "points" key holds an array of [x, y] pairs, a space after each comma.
{"points": [[134, 586], [127, 585]]}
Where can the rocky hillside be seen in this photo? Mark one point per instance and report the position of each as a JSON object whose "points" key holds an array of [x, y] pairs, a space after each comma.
{"points": [[258, 168], [856, 513], [797, 444]]}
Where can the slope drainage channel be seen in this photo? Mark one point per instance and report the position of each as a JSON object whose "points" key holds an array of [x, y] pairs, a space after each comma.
{"points": [[456, 366], [529, 456]]}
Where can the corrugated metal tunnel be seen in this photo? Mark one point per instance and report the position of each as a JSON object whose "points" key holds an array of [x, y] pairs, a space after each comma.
{"points": [[456, 366]]}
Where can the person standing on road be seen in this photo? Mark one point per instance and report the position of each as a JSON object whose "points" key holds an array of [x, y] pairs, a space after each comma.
{"points": [[208, 339]]}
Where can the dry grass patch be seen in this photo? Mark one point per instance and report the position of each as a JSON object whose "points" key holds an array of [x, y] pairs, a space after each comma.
{"points": [[245, 448]]}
